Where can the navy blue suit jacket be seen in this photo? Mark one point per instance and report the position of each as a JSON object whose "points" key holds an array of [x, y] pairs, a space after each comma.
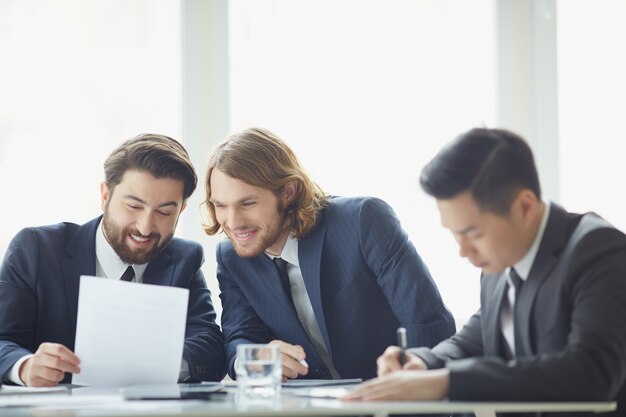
{"points": [[39, 280], [364, 279]]}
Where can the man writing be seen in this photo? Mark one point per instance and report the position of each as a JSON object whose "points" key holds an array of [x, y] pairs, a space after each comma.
{"points": [[553, 289], [328, 279], [148, 180]]}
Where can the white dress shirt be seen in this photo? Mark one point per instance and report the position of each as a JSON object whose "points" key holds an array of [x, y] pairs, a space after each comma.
{"points": [[302, 303], [523, 270], [108, 263]]}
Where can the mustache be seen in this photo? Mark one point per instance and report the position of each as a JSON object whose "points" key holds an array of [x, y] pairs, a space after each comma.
{"points": [[148, 236]]}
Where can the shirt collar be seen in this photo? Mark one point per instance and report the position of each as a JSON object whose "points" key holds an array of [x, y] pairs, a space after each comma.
{"points": [[289, 252], [110, 262], [525, 264]]}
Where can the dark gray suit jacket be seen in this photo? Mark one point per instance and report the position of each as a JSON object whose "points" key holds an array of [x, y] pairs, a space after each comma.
{"points": [[570, 315]]}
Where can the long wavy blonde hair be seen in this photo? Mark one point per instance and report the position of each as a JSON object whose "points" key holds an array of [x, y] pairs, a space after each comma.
{"points": [[258, 157]]}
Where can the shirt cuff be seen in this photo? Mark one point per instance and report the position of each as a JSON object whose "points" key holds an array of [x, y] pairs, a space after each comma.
{"points": [[14, 373], [183, 376]]}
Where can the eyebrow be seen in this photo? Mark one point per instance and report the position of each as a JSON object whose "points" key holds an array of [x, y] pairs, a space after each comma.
{"points": [[466, 230], [241, 200], [139, 200]]}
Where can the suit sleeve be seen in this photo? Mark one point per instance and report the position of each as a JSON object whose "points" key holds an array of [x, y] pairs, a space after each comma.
{"points": [[240, 322], [466, 343], [18, 300], [204, 342], [591, 367], [403, 277]]}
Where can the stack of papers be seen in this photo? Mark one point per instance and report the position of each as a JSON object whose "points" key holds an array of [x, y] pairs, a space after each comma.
{"points": [[307, 383], [19, 390]]}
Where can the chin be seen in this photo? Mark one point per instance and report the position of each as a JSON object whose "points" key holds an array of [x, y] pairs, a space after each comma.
{"points": [[489, 270], [247, 252]]}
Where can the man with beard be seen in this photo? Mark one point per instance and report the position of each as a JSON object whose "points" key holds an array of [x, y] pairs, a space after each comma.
{"points": [[148, 180], [328, 279]]}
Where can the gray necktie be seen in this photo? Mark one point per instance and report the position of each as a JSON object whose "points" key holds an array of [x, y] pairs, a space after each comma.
{"points": [[517, 281], [518, 284]]}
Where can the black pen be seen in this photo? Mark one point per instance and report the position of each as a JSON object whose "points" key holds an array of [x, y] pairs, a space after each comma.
{"points": [[401, 333]]}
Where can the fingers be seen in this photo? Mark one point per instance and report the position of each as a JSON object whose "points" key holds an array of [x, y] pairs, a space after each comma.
{"points": [[377, 389], [414, 362], [403, 385], [293, 359], [65, 359], [389, 361], [48, 365]]}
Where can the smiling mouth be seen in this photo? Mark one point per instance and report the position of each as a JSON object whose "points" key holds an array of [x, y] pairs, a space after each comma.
{"points": [[243, 236], [139, 240]]}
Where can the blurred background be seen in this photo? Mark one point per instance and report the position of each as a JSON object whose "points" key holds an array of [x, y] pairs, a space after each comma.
{"points": [[365, 91]]}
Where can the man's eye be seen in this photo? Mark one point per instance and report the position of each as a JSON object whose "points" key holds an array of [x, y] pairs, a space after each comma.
{"points": [[164, 213], [249, 203]]}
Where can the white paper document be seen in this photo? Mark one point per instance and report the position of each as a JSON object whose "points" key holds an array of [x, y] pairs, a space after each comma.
{"points": [[129, 333]]}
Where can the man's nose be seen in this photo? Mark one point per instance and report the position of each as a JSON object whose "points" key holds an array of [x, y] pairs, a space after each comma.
{"points": [[144, 224], [464, 247]]}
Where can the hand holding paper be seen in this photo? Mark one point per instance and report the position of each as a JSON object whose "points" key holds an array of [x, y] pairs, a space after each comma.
{"points": [[129, 333]]}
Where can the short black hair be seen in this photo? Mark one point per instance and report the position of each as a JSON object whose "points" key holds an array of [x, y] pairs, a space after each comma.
{"points": [[492, 164]]}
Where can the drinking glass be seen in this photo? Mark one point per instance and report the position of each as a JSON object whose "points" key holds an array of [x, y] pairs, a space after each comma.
{"points": [[259, 370]]}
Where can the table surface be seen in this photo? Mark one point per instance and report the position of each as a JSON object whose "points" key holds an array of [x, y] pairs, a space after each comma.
{"points": [[92, 402]]}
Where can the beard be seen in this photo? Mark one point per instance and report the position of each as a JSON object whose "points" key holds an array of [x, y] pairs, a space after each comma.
{"points": [[116, 236], [265, 238]]}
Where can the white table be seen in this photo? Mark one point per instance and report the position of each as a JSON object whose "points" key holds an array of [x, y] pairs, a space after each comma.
{"points": [[100, 403]]}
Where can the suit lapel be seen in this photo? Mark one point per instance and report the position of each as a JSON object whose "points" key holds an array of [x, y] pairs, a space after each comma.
{"points": [[310, 256], [491, 312], [554, 238], [160, 271], [81, 261], [262, 270]]}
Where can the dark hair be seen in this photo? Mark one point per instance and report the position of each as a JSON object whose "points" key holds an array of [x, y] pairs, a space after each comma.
{"points": [[260, 158], [159, 155], [492, 164]]}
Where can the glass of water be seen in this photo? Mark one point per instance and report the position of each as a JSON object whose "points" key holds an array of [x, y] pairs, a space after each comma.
{"points": [[259, 370]]}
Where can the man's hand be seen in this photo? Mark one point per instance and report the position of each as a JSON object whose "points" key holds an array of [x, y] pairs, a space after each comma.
{"points": [[404, 385], [389, 361], [48, 365], [292, 357]]}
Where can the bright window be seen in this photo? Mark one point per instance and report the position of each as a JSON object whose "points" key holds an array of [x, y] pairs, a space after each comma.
{"points": [[592, 102], [366, 92], [77, 78]]}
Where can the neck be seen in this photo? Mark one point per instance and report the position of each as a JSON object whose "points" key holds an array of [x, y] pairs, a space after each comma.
{"points": [[277, 247]]}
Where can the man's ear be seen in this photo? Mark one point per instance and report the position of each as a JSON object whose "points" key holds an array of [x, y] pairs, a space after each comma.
{"points": [[526, 204], [289, 191], [105, 194]]}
